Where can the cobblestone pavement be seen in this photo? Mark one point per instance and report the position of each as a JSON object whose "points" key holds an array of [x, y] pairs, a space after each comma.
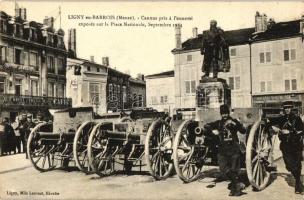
{"points": [[19, 180]]}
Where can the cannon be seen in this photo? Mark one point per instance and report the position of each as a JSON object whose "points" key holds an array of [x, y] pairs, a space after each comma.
{"points": [[193, 150], [57, 143], [145, 141]]}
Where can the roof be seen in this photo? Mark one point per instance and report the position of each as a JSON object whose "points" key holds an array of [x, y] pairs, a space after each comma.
{"points": [[137, 81], [161, 75], [243, 36], [280, 30], [114, 71]]}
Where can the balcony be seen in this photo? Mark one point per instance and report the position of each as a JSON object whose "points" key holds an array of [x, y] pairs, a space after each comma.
{"points": [[33, 102], [24, 69]]}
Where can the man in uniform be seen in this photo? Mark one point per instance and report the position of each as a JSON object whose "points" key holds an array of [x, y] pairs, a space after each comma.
{"points": [[215, 51], [228, 148], [290, 134]]}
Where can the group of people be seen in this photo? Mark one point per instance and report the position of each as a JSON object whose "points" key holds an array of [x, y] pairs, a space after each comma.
{"points": [[290, 132], [14, 134]]}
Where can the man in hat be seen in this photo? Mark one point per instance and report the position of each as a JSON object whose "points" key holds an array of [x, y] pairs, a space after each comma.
{"points": [[22, 127], [228, 147], [290, 134], [215, 51]]}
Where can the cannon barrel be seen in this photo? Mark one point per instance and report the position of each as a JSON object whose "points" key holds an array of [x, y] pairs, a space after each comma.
{"points": [[122, 135], [53, 138]]}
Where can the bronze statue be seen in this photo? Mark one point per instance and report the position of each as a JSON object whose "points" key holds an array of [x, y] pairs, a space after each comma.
{"points": [[215, 51]]}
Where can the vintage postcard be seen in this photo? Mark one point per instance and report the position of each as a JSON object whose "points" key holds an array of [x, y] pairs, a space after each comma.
{"points": [[151, 100]]}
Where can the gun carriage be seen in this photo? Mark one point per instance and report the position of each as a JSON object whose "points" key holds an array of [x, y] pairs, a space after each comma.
{"points": [[65, 139], [194, 149], [145, 141]]}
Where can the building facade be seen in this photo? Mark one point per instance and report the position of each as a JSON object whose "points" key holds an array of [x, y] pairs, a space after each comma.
{"points": [[33, 65], [266, 64], [161, 91], [86, 84]]}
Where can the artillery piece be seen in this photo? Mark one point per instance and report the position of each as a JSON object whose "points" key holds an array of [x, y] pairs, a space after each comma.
{"points": [[65, 139], [146, 140], [193, 150]]}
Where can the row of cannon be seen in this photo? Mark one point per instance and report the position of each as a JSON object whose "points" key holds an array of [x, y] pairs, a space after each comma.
{"points": [[97, 144]]}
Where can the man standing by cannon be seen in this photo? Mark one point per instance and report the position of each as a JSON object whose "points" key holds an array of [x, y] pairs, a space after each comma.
{"points": [[228, 148], [215, 51], [290, 134]]}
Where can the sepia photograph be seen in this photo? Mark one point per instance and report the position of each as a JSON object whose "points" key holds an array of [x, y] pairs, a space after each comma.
{"points": [[151, 100]]}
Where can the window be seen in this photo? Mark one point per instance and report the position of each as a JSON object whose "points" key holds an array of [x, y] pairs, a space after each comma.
{"points": [[33, 34], [88, 68], [190, 83], [60, 90], [51, 89], [289, 52], [34, 88], [33, 59], [265, 54], [234, 83], [291, 84], [164, 99], [189, 58], [269, 86], [287, 85], [94, 93], [263, 86], [60, 66], [294, 84], [18, 56], [2, 85], [110, 91], [18, 86], [237, 82], [140, 101], [50, 39], [50, 64], [2, 54], [124, 93], [60, 41], [3, 26], [98, 69], [233, 52]]}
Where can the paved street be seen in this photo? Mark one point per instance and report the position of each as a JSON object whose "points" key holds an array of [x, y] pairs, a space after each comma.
{"points": [[19, 180]]}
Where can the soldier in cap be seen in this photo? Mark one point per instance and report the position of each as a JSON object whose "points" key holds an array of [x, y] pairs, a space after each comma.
{"points": [[290, 134], [22, 127], [228, 147], [215, 51]]}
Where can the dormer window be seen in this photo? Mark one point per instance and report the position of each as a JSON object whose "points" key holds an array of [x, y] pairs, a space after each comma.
{"points": [[33, 34], [50, 39], [18, 30], [60, 41]]}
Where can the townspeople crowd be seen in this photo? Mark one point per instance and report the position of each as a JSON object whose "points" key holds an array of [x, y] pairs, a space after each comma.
{"points": [[15, 132]]}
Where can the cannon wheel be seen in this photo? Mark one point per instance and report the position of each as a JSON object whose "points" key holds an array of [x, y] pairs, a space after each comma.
{"points": [[97, 150], [41, 156], [258, 153], [80, 151], [186, 167], [158, 149]]}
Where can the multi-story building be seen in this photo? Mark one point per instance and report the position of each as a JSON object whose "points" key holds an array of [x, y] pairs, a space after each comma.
{"points": [[161, 91], [86, 79], [266, 64], [32, 65]]}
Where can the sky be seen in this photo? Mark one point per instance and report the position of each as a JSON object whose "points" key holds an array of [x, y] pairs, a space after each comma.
{"points": [[147, 50]]}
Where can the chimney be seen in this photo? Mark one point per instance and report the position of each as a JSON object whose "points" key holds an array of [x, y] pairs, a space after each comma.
{"points": [[140, 77], [270, 23], [49, 22], [72, 43], [260, 22], [178, 36], [20, 13], [92, 58], [105, 61], [194, 32]]}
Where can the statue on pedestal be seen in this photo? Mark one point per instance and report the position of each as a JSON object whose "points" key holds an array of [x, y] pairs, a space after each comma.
{"points": [[215, 51]]}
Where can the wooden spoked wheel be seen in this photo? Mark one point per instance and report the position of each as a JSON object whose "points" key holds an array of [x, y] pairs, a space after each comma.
{"points": [[158, 149], [42, 156], [98, 150], [80, 149], [188, 155], [258, 156]]}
